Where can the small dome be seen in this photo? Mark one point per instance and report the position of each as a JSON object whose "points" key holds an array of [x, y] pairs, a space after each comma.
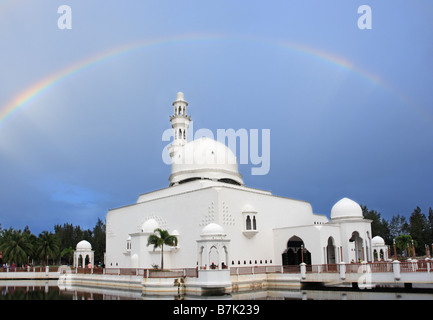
{"points": [[175, 233], [84, 245], [346, 208], [378, 241], [149, 226], [213, 229]]}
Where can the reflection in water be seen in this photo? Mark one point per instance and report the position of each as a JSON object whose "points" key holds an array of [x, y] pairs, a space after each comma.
{"points": [[49, 290]]}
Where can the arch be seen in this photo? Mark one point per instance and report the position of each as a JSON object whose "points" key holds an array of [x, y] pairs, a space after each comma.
{"points": [[254, 223], [357, 247], [381, 254], [296, 252], [214, 257], [200, 256], [330, 251]]}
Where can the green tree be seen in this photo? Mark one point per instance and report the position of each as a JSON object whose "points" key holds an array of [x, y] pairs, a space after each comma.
{"points": [[379, 226], [159, 239], [419, 230], [67, 253], [398, 225], [430, 226], [403, 241], [16, 246], [66, 236], [47, 246], [98, 240]]}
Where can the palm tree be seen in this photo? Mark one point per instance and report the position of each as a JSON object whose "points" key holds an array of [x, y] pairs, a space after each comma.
{"points": [[159, 240], [16, 246], [47, 245], [68, 253], [403, 241]]}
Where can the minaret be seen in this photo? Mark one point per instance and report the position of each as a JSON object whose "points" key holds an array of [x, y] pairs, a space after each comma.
{"points": [[180, 123]]}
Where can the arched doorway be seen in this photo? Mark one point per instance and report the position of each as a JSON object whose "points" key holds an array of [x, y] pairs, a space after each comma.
{"points": [[330, 251], [213, 257], [357, 247], [296, 252]]}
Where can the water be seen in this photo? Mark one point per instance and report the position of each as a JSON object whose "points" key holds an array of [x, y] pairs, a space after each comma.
{"points": [[49, 290]]}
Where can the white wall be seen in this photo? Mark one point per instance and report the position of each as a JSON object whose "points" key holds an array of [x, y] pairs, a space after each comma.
{"points": [[189, 207]]}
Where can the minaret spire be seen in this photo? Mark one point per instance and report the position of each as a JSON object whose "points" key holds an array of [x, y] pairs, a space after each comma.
{"points": [[180, 123]]}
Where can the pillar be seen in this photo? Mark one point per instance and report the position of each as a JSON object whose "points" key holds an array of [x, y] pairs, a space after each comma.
{"points": [[303, 271], [342, 270], [396, 269]]}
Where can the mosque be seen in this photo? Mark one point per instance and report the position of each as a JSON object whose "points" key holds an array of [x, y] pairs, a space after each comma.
{"points": [[221, 223]]}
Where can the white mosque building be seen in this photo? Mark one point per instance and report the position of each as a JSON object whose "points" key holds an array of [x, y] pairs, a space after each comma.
{"points": [[220, 221]]}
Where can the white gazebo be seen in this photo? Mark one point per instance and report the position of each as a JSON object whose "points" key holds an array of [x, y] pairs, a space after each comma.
{"points": [[380, 249], [83, 250], [213, 248]]}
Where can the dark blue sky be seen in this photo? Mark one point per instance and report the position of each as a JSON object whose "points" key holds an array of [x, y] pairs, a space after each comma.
{"points": [[350, 111]]}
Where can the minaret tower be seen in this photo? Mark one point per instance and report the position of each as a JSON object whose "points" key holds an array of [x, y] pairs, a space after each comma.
{"points": [[180, 123]]}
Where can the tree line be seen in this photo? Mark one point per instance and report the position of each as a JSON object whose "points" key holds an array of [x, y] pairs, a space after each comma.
{"points": [[22, 247], [402, 231]]}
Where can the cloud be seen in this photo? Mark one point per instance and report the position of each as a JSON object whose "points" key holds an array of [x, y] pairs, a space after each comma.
{"points": [[71, 194]]}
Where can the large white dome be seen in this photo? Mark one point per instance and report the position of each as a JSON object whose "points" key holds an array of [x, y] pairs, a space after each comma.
{"points": [[205, 158], [346, 208]]}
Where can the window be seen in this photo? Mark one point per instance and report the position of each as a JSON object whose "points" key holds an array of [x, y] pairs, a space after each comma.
{"points": [[249, 215], [248, 227]]}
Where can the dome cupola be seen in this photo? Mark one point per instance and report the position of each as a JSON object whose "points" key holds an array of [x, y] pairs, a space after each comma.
{"points": [[346, 208], [203, 158]]}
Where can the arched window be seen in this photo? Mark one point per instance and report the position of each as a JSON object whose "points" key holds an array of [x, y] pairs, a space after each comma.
{"points": [[248, 226], [254, 223]]}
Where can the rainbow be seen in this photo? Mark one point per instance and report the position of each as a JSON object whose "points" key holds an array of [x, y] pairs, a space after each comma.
{"points": [[33, 92]]}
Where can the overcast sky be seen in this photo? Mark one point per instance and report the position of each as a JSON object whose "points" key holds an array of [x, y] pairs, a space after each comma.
{"points": [[350, 111]]}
